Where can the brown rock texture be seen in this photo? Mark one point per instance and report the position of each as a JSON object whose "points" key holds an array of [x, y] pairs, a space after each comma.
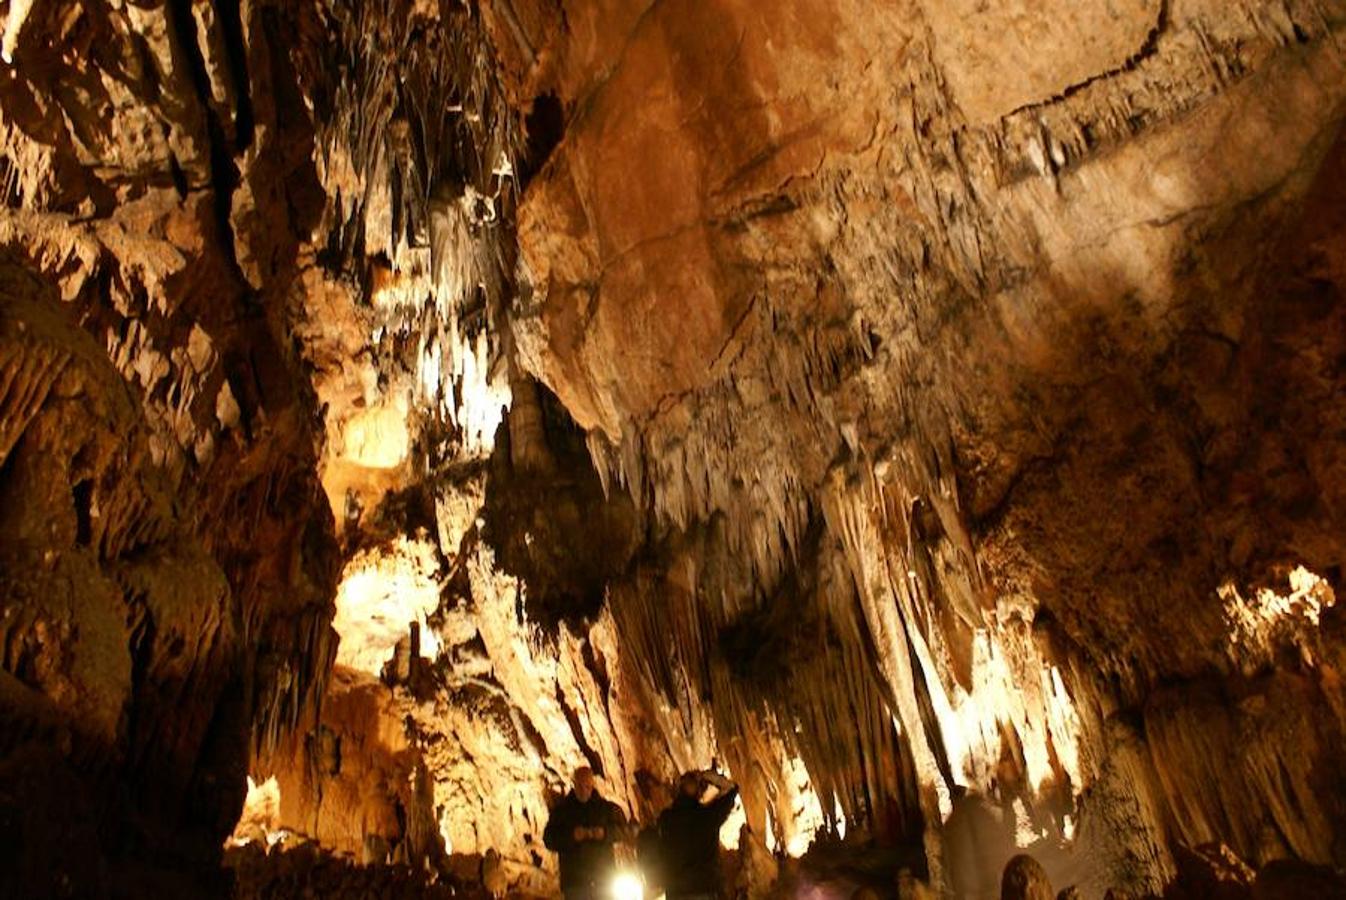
{"points": [[904, 406], [982, 340], [166, 557], [307, 872]]}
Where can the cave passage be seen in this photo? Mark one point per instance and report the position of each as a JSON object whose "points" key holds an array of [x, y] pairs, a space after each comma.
{"points": [[820, 449]]}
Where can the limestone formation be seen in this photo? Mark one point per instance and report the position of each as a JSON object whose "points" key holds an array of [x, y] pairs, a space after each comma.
{"points": [[933, 413]]}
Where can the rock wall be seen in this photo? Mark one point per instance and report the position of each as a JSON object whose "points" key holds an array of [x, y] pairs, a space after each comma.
{"points": [[907, 407], [168, 559], [957, 333]]}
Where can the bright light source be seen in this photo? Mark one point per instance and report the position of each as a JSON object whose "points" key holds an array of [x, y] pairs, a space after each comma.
{"points": [[627, 886]]}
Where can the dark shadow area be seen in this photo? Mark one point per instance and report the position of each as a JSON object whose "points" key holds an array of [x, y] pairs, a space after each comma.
{"points": [[545, 126], [548, 520]]}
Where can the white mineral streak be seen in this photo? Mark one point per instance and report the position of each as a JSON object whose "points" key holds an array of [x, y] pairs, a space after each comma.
{"points": [[260, 819], [19, 10], [1260, 619], [456, 376], [1252, 617], [478, 405], [805, 810]]}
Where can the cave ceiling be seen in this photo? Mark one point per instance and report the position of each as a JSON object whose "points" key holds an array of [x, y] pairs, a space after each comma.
{"points": [[405, 402]]}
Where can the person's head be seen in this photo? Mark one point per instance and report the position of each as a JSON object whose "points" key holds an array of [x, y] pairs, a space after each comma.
{"points": [[584, 783], [1025, 879], [690, 785]]}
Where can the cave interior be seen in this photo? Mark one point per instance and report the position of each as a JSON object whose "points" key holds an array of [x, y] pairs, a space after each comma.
{"points": [[929, 414]]}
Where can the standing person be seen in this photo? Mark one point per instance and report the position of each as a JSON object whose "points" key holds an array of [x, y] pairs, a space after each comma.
{"points": [[581, 831], [689, 836]]}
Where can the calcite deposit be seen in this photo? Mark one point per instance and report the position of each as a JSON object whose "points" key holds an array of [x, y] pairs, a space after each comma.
{"points": [[931, 413]]}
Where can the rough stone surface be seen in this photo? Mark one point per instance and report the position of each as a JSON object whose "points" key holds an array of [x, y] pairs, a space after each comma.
{"points": [[889, 404], [166, 559], [996, 354]]}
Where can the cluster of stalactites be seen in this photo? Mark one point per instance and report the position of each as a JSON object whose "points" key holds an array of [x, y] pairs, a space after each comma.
{"points": [[846, 669], [417, 158]]}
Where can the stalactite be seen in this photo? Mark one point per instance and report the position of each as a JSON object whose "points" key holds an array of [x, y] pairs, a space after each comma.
{"points": [[19, 11], [956, 426], [26, 375]]}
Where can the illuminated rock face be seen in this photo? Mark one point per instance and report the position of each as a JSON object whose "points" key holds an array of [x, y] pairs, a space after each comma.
{"points": [[382, 593], [166, 556], [972, 350], [923, 412]]}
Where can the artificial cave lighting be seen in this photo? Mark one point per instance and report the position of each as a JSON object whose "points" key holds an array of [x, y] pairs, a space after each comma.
{"points": [[1043, 716], [806, 813], [732, 829], [482, 396], [1308, 596], [626, 885], [933, 417], [1025, 833], [1259, 619]]}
